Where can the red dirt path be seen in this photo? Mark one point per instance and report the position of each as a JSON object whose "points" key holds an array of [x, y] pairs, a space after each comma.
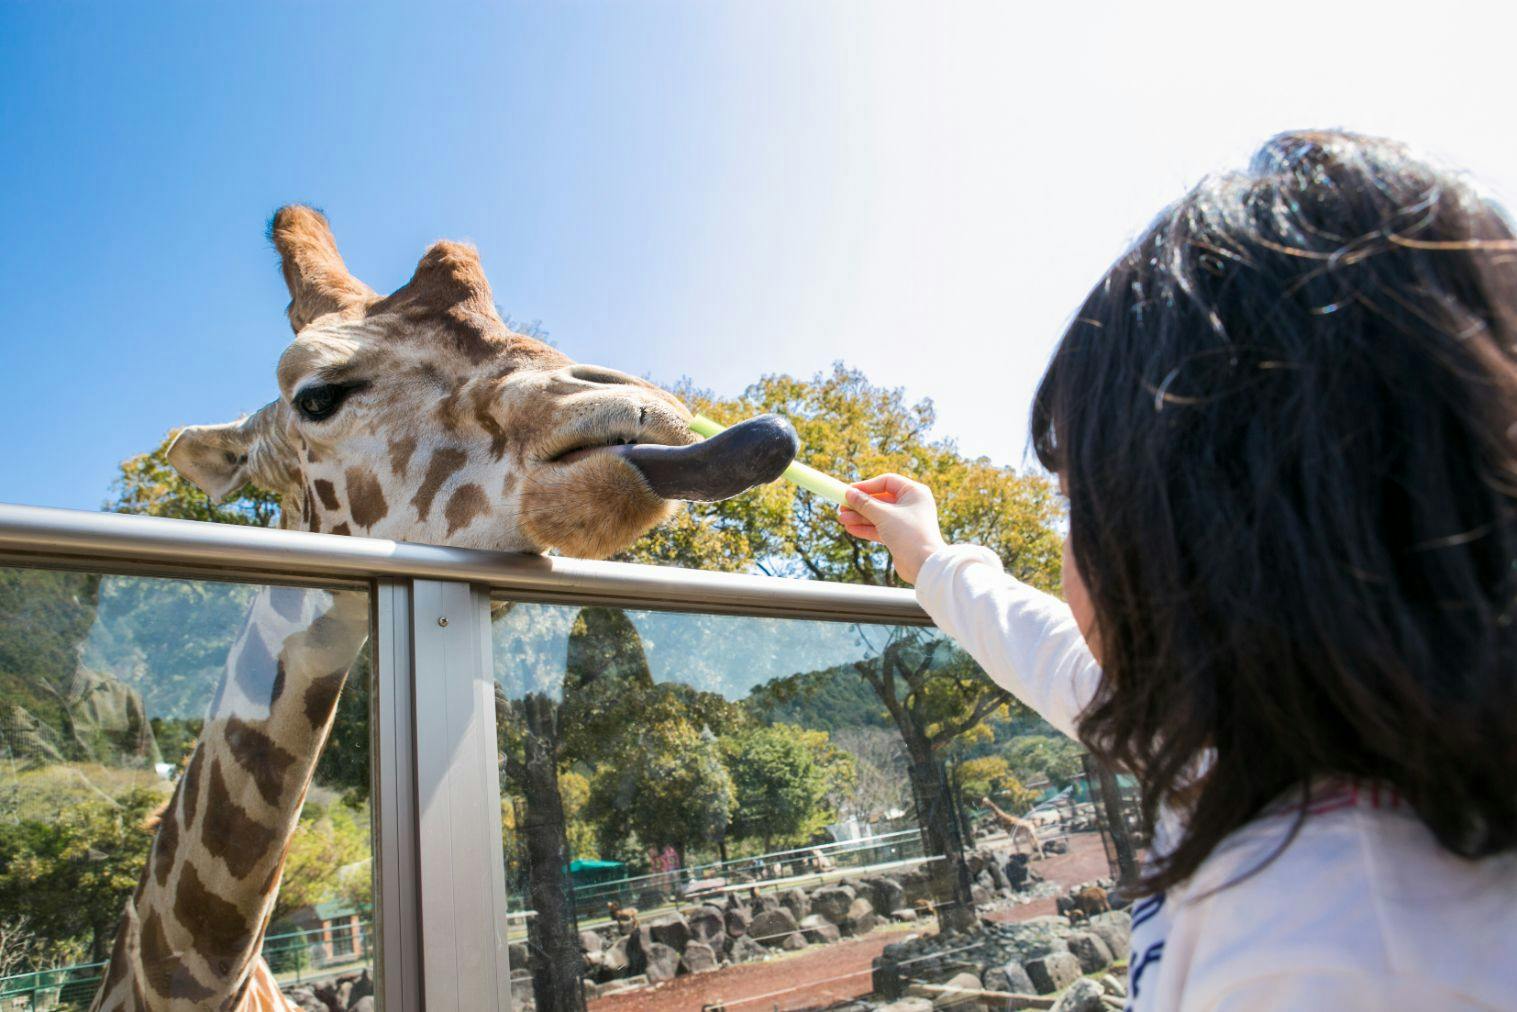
{"points": [[818, 976]]}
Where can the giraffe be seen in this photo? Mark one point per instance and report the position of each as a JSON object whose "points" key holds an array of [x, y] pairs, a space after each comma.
{"points": [[416, 416], [1016, 828]]}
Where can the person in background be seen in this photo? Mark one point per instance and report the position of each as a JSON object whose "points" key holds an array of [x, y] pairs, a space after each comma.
{"points": [[1285, 423]]}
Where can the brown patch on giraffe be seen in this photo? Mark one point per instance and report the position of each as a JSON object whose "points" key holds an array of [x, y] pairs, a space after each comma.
{"points": [[120, 968], [327, 494], [366, 500], [443, 465], [312, 457], [240, 840], [466, 503], [217, 928], [255, 669], [321, 697], [256, 753], [165, 969], [166, 846], [400, 455], [305, 507], [485, 397], [192, 786], [278, 688], [342, 529], [513, 478], [446, 412]]}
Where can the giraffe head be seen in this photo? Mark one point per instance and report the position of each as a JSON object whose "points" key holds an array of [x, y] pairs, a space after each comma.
{"points": [[419, 416]]}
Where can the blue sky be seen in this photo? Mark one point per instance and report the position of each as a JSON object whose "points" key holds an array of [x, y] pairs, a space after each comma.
{"points": [[712, 190]]}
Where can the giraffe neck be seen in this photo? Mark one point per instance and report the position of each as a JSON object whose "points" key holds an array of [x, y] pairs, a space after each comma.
{"points": [[191, 935]]}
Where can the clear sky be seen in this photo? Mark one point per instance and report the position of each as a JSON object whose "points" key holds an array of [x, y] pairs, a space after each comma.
{"points": [[704, 189]]}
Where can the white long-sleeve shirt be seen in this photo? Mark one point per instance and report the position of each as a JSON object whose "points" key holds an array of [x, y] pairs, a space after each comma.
{"points": [[1362, 910]]}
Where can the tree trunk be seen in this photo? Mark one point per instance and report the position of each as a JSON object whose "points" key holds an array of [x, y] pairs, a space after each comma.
{"points": [[940, 834], [553, 933]]}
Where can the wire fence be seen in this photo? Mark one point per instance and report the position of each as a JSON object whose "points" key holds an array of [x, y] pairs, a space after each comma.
{"points": [[294, 956]]}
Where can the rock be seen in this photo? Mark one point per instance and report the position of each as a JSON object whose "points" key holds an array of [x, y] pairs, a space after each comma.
{"points": [[796, 902], [766, 901], [364, 1004], [614, 960], [662, 962], [885, 893], [819, 930], [305, 999], [793, 941], [979, 895], [327, 995], [589, 941], [745, 950], [1115, 930], [698, 958], [344, 995], [985, 880], [832, 902], [519, 956], [1083, 996], [1112, 986], [362, 988], [671, 930], [738, 919], [1090, 950], [907, 1005], [708, 925], [1009, 977], [772, 927], [1053, 972], [969, 1000], [903, 914], [860, 919]]}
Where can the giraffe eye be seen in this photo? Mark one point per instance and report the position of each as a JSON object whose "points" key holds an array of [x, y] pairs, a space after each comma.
{"points": [[320, 401]]}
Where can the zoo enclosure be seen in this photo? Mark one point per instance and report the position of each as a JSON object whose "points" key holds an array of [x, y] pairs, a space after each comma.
{"points": [[440, 910]]}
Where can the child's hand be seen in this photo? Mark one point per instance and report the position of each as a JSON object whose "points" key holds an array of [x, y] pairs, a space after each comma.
{"points": [[900, 514]]}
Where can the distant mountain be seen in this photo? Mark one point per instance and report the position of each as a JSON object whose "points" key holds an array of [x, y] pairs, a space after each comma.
{"points": [[830, 699]]}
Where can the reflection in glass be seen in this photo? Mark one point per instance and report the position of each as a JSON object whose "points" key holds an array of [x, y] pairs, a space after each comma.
{"points": [[790, 805], [170, 828]]}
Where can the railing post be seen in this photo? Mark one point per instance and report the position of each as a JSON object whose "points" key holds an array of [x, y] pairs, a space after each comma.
{"points": [[397, 907], [461, 871]]}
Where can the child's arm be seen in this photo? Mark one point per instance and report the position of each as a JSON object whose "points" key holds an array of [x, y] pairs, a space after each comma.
{"points": [[1026, 640]]}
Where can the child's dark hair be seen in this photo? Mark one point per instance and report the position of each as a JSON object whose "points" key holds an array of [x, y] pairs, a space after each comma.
{"points": [[1287, 424]]}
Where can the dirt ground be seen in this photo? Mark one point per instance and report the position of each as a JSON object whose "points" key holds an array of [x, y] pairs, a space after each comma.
{"points": [[823, 974]]}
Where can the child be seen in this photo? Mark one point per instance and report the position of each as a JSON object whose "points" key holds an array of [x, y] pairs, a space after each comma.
{"points": [[1286, 426]]}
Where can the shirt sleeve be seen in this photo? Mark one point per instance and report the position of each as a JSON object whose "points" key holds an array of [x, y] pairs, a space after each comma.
{"points": [[1026, 640]]}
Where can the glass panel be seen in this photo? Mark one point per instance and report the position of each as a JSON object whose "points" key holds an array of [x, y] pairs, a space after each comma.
{"points": [[707, 810], [170, 827]]}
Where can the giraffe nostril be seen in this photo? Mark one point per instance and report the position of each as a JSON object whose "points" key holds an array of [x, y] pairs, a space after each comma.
{"points": [[599, 374]]}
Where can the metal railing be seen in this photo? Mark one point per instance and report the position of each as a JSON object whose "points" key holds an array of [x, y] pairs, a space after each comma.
{"points": [[438, 843]]}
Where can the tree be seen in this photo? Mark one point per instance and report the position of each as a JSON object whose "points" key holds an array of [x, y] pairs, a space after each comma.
{"points": [[149, 485], [852, 429], [1054, 756], [72, 872], [780, 787], [327, 839]]}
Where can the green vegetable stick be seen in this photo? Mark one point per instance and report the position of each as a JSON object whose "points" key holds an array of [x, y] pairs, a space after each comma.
{"points": [[808, 478]]}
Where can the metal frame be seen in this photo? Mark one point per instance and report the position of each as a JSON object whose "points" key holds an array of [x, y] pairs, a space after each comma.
{"points": [[441, 908]]}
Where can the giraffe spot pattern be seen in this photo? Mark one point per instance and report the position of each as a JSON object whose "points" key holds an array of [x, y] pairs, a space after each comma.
{"points": [[166, 973], [277, 689], [366, 500], [513, 478], [167, 844], [257, 753], [400, 455], [255, 669], [217, 928], [230, 834], [466, 503], [327, 493], [342, 529], [443, 465], [192, 786], [321, 697], [120, 969], [484, 403], [287, 602]]}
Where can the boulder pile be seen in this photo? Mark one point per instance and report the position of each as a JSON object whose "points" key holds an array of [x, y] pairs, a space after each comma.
{"points": [[351, 992]]}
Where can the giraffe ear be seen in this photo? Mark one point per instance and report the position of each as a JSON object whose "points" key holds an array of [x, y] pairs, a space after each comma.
{"points": [[214, 458], [318, 280]]}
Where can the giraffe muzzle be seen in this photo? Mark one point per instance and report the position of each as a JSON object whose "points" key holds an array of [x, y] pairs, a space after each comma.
{"points": [[750, 453]]}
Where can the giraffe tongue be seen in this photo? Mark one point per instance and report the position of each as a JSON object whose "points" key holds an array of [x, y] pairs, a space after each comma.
{"points": [[748, 454]]}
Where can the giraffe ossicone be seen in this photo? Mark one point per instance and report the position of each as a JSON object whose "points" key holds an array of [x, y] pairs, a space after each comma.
{"points": [[417, 416]]}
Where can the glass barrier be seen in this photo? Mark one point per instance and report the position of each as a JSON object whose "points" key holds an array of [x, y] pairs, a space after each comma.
{"points": [[162, 778], [711, 811]]}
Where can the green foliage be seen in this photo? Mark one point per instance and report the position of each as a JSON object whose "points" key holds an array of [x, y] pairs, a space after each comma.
{"points": [[664, 783], [1054, 756], [780, 786], [831, 699], [329, 840], [149, 485], [852, 429], [73, 871]]}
